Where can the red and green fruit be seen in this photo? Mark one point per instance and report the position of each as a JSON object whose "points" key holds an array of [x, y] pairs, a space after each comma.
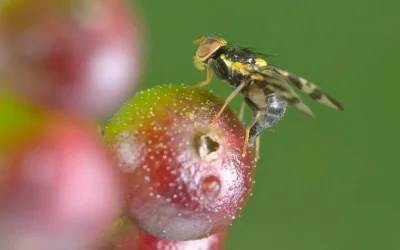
{"points": [[186, 178]]}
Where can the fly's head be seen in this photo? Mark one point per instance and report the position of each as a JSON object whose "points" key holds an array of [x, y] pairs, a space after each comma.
{"points": [[208, 48]]}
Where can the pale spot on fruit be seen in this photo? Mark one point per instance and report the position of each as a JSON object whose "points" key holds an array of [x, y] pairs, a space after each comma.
{"points": [[211, 187], [130, 154]]}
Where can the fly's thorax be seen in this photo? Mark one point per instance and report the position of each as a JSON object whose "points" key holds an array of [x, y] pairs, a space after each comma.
{"points": [[240, 54], [237, 67], [223, 70], [232, 72], [220, 68]]}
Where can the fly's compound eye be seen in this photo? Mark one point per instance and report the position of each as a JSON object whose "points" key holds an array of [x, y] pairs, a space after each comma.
{"points": [[207, 48]]}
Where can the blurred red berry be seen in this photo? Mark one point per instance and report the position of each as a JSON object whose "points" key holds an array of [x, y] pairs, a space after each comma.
{"points": [[80, 55], [19, 121], [186, 178], [59, 191]]}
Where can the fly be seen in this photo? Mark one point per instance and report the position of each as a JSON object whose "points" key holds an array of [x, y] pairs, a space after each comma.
{"points": [[265, 88]]}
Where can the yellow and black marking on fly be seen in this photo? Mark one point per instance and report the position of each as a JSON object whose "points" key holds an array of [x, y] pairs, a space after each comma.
{"points": [[264, 87]]}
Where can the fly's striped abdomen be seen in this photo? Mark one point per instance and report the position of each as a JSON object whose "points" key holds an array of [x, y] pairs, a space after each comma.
{"points": [[269, 117]]}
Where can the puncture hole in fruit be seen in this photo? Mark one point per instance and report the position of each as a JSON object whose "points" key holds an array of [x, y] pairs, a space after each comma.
{"points": [[208, 145]]}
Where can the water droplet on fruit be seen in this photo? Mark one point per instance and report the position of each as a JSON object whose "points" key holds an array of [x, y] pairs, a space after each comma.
{"points": [[211, 187]]}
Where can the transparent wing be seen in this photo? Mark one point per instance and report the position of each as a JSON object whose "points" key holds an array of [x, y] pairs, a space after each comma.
{"points": [[309, 88], [277, 84]]}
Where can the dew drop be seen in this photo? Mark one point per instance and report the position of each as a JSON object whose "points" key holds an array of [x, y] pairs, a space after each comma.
{"points": [[211, 187]]}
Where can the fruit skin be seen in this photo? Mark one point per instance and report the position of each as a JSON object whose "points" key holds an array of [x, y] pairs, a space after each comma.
{"points": [[137, 240], [59, 190], [180, 185], [82, 56]]}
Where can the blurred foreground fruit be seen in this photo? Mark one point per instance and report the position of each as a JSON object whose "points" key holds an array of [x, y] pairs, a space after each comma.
{"points": [[83, 56], [58, 190], [19, 120], [186, 178]]}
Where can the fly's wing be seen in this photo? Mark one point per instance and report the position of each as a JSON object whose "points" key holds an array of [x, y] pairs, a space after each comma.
{"points": [[309, 88], [278, 85]]}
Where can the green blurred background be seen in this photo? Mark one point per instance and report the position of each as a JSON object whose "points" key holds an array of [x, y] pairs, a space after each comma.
{"points": [[327, 183]]}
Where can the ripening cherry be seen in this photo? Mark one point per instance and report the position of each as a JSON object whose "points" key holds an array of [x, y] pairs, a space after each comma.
{"points": [[83, 56], [186, 178]]}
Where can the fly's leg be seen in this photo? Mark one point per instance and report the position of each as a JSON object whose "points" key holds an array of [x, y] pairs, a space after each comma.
{"points": [[210, 74], [257, 149], [254, 135], [241, 114], [248, 128], [229, 99]]}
